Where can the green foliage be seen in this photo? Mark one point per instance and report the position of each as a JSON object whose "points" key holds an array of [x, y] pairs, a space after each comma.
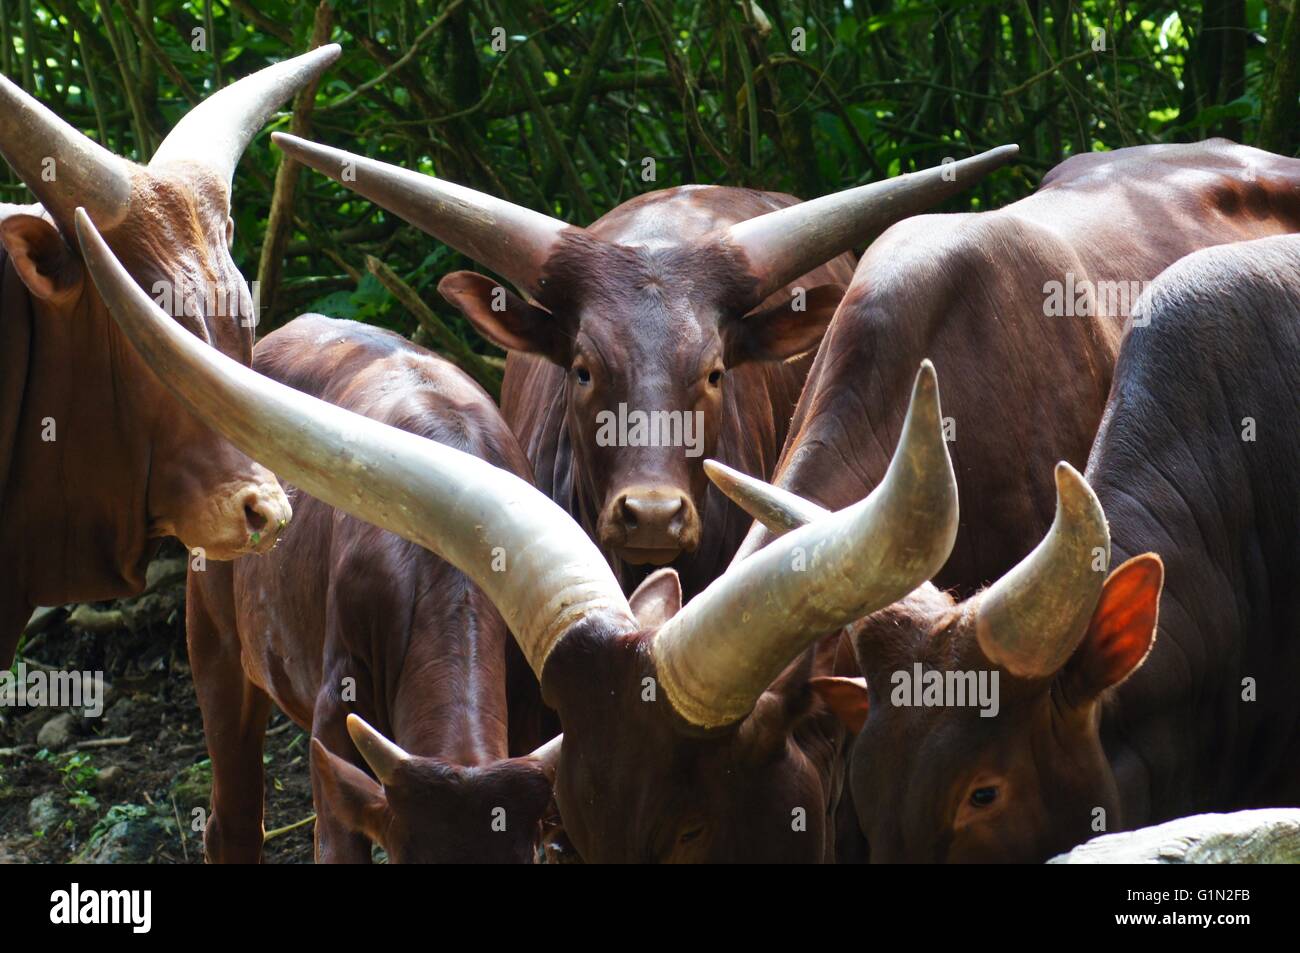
{"points": [[78, 776], [115, 815], [805, 96]]}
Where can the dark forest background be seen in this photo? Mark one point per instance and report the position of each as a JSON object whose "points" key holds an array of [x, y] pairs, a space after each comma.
{"points": [[557, 105]]}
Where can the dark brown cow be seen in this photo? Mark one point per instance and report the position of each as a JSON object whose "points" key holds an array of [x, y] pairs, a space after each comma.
{"points": [[1102, 725], [688, 734], [680, 303], [97, 462], [344, 622], [1023, 388]]}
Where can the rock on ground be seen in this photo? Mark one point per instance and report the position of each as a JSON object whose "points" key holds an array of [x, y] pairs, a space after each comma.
{"points": [[57, 733], [1245, 837], [45, 812], [133, 840]]}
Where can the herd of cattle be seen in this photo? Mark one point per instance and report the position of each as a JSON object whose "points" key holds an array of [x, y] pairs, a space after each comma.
{"points": [[462, 582]]}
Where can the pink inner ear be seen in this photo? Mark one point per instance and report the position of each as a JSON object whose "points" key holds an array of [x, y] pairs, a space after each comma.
{"points": [[1123, 626], [846, 697], [657, 599]]}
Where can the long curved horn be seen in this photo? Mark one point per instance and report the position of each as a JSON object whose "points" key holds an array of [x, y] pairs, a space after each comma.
{"points": [[723, 649], [779, 510], [1032, 619], [215, 133], [789, 242], [383, 756], [81, 173], [529, 557], [513, 241]]}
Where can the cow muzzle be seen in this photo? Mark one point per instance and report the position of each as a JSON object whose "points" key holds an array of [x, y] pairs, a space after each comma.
{"points": [[239, 519], [650, 525]]}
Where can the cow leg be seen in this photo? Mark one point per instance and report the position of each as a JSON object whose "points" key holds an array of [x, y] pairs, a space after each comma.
{"points": [[235, 713], [337, 839], [14, 613]]}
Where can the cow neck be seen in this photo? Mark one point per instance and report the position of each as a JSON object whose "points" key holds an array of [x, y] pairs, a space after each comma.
{"points": [[74, 507], [449, 700]]}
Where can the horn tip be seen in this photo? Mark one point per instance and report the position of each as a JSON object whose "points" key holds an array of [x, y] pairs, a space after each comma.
{"points": [[1071, 487], [87, 234], [1068, 478], [925, 391], [357, 726], [1075, 495], [716, 471]]}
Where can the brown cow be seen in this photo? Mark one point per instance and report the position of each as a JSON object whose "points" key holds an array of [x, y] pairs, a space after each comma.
{"points": [[679, 304], [1023, 387], [344, 622], [97, 462], [689, 735], [1101, 725]]}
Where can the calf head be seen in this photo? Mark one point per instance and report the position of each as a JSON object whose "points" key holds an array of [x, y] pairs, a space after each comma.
{"points": [[979, 721], [688, 735], [430, 811], [639, 782], [647, 327], [169, 223]]}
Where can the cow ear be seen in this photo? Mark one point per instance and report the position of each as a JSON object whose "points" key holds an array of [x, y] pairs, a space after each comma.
{"points": [[43, 260], [503, 317], [846, 697], [784, 331], [657, 599], [1122, 630], [357, 798]]}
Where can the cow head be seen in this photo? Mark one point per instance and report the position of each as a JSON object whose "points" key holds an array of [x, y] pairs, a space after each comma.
{"points": [[951, 765], [169, 222], [430, 811], [645, 327], [683, 723]]}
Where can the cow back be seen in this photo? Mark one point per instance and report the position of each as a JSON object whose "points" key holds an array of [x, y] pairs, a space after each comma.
{"points": [[1022, 387]]}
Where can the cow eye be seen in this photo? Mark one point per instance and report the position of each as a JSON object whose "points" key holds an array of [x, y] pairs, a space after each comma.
{"points": [[690, 834], [983, 797], [583, 375], [715, 378]]}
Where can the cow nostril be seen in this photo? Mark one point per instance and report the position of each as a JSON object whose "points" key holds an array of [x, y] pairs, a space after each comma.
{"points": [[255, 518], [652, 511]]}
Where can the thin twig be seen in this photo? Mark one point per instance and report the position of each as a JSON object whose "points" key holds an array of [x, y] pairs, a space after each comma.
{"points": [[457, 351], [1072, 58], [401, 61], [146, 36], [288, 828], [180, 829], [94, 743], [270, 268]]}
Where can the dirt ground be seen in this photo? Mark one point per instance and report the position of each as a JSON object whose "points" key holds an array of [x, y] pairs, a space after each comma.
{"points": [[132, 784]]}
